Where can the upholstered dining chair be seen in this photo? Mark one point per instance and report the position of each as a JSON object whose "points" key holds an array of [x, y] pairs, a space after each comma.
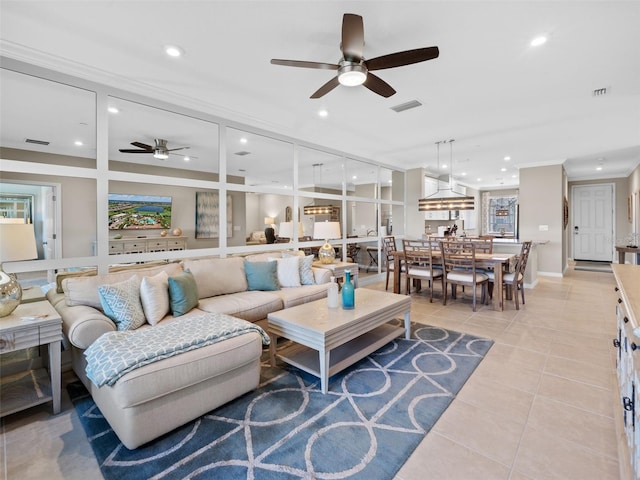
{"points": [[514, 281], [459, 261], [420, 265], [389, 250]]}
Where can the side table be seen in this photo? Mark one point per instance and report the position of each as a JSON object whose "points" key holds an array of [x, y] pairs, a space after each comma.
{"points": [[338, 270], [31, 325]]}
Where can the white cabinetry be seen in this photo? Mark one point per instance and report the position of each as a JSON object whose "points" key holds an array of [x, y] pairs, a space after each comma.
{"points": [[147, 244], [627, 343]]}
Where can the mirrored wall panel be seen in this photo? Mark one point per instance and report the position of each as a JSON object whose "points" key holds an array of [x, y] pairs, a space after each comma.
{"points": [[320, 171], [362, 179], [57, 129], [144, 139], [257, 160], [267, 218]]}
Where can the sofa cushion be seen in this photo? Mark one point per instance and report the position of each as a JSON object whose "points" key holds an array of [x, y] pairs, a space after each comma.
{"points": [[251, 306], [217, 276], [183, 293], [121, 303], [262, 275], [84, 290], [307, 293], [154, 295]]}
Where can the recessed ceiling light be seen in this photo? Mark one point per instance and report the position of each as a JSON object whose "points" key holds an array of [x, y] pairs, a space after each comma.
{"points": [[112, 110], [355, 177], [323, 113], [243, 140], [463, 174], [390, 181], [187, 158], [536, 42], [598, 168], [514, 176], [503, 169], [443, 166], [478, 179], [78, 143], [173, 51], [507, 158]]}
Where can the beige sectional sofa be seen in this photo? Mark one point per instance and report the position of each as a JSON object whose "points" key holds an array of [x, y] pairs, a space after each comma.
{"points": [[161, 396]]}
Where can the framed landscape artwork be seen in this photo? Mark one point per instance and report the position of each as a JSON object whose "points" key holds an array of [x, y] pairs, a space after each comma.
{"points": [[208, 215]]}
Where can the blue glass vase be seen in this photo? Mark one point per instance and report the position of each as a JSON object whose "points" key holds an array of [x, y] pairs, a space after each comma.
{"points": [[348, 292]]}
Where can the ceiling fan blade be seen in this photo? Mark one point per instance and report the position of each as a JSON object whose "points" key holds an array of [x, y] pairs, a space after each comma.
{"points": [[379, 86], [304, 64], [352, 37], [399, 59], [180, 148], [128, 150], [142, 145], [326, 88]]}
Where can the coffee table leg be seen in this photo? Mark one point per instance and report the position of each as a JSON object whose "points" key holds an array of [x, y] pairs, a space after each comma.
{"points": [[272, 348], [407, 324], [324, 371]]}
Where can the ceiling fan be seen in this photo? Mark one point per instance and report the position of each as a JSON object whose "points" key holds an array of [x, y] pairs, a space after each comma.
{"points": [[160, 151], [353, 69]]}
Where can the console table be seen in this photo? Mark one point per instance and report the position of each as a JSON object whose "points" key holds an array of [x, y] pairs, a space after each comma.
{"points": [[146, 244], [622, 250]]}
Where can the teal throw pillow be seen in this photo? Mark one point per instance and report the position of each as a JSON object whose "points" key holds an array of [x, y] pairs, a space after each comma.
{"points": [[183, 293], [262, 275], [121, 303]]}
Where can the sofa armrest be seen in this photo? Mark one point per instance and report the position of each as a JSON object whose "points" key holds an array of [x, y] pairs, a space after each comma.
{"points": [[321, 275], [81, 324]]}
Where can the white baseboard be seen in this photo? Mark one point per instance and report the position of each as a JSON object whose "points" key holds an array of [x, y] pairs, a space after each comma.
{"points": [[550, 274]]}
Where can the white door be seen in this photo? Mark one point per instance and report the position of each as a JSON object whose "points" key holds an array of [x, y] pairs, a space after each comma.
{"points": [[592, 215]]}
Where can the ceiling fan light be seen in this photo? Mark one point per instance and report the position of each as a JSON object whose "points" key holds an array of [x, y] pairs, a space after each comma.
{"points": [[160, 155], [352, 74]]}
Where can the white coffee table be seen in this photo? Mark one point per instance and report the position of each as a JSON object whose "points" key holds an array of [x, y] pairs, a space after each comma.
{"points": [[329, 340]]}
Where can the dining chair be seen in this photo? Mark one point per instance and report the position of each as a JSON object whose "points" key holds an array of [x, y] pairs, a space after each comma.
{"points": [[390, 250], [514, 281], [420, 265], [459, 261], [484, 244]]}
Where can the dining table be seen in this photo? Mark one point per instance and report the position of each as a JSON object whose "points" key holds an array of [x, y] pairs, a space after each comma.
{"points": [[499, 262]]}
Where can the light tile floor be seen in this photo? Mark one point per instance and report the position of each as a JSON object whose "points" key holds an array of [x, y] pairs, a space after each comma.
{"points": [[539, 406]]}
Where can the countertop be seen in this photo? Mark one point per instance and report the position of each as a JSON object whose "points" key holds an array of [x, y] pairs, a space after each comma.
{"points": [[628, 279]]}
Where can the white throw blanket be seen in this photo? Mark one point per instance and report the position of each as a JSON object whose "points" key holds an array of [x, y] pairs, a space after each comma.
{"points": [[115, 354]]}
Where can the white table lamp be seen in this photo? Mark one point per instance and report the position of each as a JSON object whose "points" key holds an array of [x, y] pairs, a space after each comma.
{"points": [[17, 242], [326, 231]]}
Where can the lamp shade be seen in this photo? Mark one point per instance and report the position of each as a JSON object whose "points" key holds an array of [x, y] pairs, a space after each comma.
{"points": [[286, 229], [326, 230], [17, 242], [269, 220]]}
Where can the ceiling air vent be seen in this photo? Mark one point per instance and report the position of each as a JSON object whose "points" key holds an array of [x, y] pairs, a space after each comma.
{"points": [[406, 106], [37, 142], [599, 92], [242, 153]]}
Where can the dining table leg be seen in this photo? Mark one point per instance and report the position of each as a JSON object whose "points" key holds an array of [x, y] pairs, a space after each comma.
{"points": [[498, 303]]}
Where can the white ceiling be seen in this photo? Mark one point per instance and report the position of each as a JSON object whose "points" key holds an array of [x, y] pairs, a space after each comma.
{"points": [[489, 89]]}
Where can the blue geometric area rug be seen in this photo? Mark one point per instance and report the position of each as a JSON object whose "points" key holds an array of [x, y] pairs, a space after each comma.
{"points": [[373, 417]]}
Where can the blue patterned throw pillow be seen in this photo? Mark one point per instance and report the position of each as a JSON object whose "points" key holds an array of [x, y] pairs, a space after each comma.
{"points": [[183, 293], [121, 303]]}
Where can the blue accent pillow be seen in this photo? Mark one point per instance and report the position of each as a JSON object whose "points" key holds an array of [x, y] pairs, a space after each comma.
{"points": [[121, 303], [262, 275], [183, 293]]}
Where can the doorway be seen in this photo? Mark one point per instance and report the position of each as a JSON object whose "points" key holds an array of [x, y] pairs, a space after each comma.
{"points": [[592, 216]]}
